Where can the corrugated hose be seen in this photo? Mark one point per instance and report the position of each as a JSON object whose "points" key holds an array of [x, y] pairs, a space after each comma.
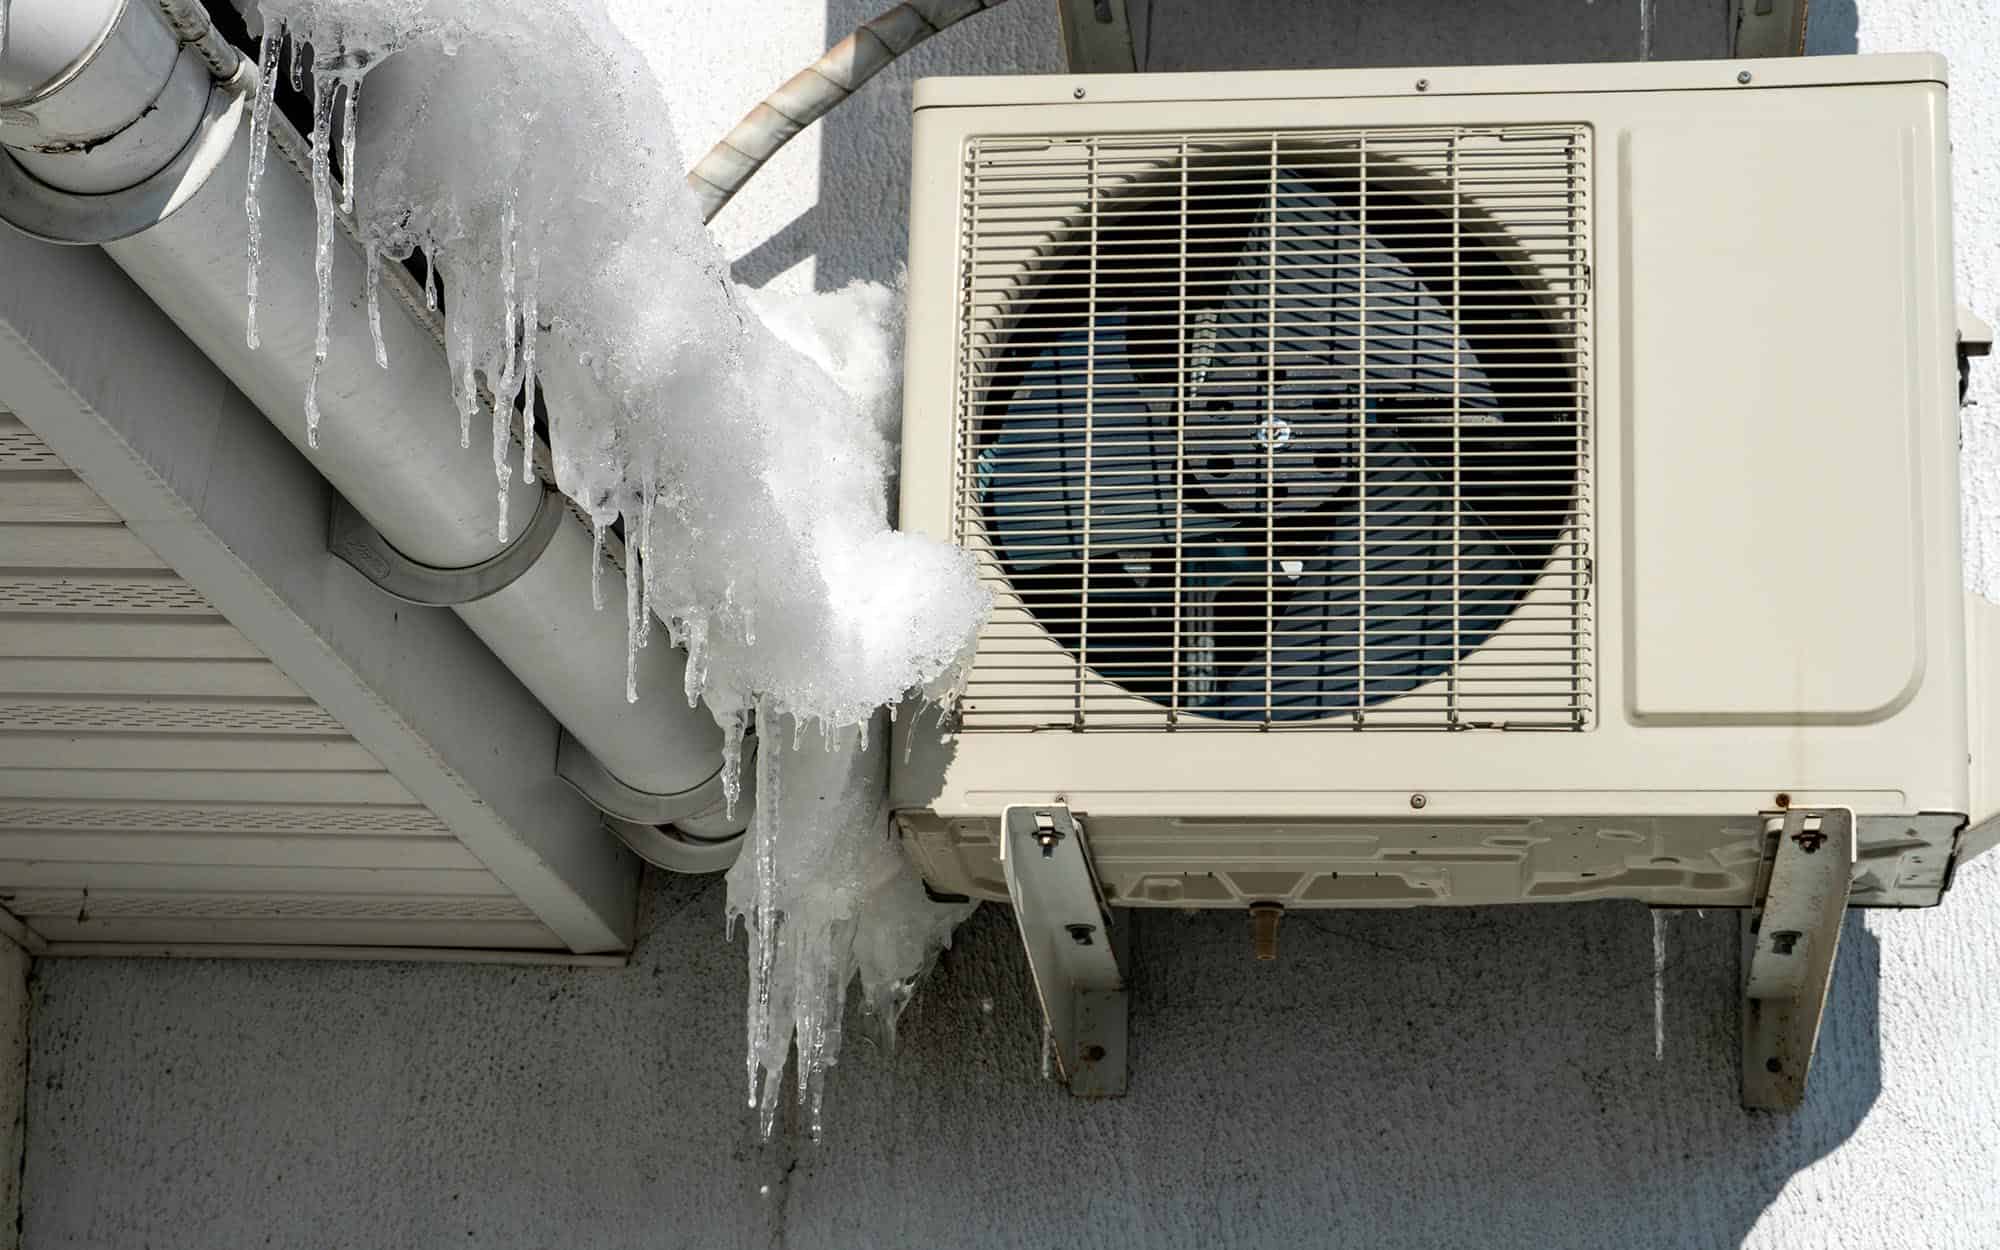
{"points": [[816, 90]]}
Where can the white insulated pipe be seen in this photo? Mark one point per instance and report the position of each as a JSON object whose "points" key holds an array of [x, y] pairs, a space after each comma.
{"points": [[388, 439]]}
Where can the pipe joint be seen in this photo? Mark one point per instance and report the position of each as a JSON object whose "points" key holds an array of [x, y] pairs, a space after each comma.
{"points": [[695, 830], [112, 117]]}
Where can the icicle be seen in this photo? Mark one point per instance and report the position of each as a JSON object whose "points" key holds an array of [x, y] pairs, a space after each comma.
{"points": [[502, 470], [347, 141], [466, 392], [260, 147], [375, 306], [597, 564], [3, 26], [765, 922], [1659, 985], [503, 389], [298, 65], [530, 332], [323, 89], [634, 605], [1048, 1051], [694, 636], [1646, 29], [646, 583], [510, 313], [732, 763], [430, 279]]}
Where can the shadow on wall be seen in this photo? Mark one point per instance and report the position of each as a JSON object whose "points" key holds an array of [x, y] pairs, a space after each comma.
{"points": [[864, 160], [1396, 1081], [864, 163], [1506, 1077], [1833, 27]]}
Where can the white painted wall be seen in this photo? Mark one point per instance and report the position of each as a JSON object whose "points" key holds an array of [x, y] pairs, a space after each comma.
{"points": [[1491, 1078]]}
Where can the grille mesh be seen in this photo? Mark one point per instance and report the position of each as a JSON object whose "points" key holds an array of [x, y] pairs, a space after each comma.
{"points": [[1278, 430]]}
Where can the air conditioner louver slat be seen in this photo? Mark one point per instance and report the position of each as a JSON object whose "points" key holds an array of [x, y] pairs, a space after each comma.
{"points": [[1278, 430]]}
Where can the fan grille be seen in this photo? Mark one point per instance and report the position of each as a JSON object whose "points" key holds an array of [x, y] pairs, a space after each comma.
{"points": [[1278, 430]]}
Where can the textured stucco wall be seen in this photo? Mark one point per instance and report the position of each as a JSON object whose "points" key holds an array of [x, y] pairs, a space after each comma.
{"points": [[1501, 1079]]}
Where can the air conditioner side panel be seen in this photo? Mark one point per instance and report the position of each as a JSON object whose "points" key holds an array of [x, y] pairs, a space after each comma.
{"points": [[1772, 299]]}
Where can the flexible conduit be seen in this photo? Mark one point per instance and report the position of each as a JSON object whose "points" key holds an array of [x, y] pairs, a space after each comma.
{"points": [[190, 24], [816, 91]]}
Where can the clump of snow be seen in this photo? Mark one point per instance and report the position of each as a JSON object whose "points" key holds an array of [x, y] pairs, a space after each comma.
{"points": [[744, 442]]}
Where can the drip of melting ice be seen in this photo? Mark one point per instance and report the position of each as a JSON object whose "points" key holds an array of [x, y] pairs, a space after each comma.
{"points": [[1659, 985], [740, 442]]}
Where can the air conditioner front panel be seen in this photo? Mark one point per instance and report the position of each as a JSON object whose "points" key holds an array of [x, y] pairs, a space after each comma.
{"points": [[1764, 509]]}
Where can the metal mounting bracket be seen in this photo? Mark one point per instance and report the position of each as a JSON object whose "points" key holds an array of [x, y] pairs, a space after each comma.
{"points": [[1790, 940], [359, 544], [1067, 931], [1097, 37]]}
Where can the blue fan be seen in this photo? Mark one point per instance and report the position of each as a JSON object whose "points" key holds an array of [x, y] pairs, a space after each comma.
{"points": [[1310, 477]]}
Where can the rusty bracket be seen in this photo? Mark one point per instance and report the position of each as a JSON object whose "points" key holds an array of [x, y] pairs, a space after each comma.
{"points": [[1790, 940], [1067, 931], [1097, 36], [1768, 28]]}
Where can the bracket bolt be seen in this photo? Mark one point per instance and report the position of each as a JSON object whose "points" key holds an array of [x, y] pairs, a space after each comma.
{"points": [[1419, 802], [1081, 934], [1078, 93], [1744, 76], [1423, 84]]}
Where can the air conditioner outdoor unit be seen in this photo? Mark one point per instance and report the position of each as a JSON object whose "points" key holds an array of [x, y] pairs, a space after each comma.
{"points": [[1456, 486]]}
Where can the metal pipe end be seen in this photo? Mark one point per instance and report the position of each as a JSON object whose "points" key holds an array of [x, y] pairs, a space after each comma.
{"points": [[1264, 919]]}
